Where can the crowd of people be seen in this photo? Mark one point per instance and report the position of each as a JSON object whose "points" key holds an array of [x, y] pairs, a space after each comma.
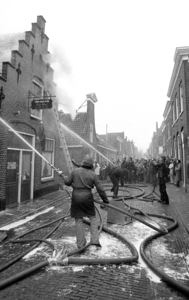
{"points": [[88, 175], [142, 170]]}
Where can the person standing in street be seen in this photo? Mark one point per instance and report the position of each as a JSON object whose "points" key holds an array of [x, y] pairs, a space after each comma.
{"points": [[178, 172], [83, 180], [171, 169], [161, 170], [97, 169]]}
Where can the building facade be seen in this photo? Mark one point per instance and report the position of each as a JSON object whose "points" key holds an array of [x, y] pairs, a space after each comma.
{"points": [[80, 133], [178, 93], [24, 174], [167, 130], [81, 136]]}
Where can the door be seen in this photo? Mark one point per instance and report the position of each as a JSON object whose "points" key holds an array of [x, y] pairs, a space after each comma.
{"points": [[26, 176], [12, 177]]}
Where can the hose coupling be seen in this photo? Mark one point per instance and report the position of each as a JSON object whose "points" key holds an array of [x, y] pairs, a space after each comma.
{"points": [[65, 261], [52, 261]]}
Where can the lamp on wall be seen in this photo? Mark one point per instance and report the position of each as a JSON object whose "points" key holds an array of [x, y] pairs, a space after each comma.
{"points": [[16, 112], [2, 96]]}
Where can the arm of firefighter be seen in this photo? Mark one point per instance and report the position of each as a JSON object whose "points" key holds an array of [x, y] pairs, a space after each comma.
{"points": [[75, 164], [68, 180], [100, 190]]}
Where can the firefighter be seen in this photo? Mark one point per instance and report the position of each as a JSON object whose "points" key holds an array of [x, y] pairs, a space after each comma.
{"points": [[116, 173], [83, 179]]}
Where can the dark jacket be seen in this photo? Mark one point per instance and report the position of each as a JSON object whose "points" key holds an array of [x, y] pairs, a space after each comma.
{"points": [[161, 169], [83, 180], [119, 172]]}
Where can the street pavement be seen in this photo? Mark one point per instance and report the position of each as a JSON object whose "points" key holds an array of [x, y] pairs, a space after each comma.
{"points": [[97, 282]]}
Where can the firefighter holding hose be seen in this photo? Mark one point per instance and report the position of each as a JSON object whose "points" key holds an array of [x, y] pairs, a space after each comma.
{"points": [[83, 179]]}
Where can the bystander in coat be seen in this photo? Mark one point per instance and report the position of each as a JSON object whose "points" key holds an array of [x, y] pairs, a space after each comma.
{"points": [[178, 172]]}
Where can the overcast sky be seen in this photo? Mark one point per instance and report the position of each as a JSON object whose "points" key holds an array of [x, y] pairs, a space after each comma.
{"points": [[121, 50]]}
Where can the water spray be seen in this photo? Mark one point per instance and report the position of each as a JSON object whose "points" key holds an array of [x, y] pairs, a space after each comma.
{"points": [[85, 142], [28, 144]]}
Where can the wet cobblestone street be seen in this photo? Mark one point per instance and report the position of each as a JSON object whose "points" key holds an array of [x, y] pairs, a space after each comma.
{"points": [[134, 281]]}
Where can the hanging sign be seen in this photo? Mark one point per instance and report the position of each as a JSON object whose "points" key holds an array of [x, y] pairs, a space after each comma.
{"points": [[41, 103]]}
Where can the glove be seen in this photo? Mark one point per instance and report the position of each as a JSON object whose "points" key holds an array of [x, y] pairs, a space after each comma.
{"points": [[106, 201]]}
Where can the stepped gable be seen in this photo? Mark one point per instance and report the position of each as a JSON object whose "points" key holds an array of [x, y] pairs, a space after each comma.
{"points": [[78, 125]]}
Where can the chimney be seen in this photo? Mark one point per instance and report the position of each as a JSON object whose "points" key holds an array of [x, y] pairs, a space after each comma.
{"points": [[91, 100]]}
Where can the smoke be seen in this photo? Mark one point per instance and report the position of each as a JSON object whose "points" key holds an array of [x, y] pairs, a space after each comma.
{"points": [[9, 42], [66, 91], [63, 78]]}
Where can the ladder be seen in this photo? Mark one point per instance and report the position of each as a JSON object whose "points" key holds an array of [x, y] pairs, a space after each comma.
{"points": [[62, 140]]}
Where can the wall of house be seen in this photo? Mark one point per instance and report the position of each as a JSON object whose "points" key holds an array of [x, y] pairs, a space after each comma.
{"points": [[26, 64]]}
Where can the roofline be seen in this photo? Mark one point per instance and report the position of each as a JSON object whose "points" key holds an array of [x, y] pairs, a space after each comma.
{"points": [[181, 54], [75, 146], [119, 139], [167, 109], [111, 149]]}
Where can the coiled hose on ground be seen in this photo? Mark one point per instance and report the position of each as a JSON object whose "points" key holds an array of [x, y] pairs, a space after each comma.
{"points": [[134, 258]]}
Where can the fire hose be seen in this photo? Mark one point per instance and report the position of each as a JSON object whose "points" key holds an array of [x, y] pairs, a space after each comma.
{"points": [[71, 260]]}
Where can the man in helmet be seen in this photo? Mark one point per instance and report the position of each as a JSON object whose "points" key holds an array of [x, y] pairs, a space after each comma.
{"points": [[83, 179]]}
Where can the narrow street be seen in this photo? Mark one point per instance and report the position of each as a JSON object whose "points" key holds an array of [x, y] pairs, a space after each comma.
{"points": [[79, 281]]}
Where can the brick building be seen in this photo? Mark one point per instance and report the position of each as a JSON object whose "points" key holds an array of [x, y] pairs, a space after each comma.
{"points": [[104, 147], [23, 173], [156, 145], [116, 140], [167, 130], [81, 136], [178, 92]]}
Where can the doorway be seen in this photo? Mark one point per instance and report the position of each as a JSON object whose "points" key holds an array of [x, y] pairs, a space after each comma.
{"points": [[12, 176], [19, 176]]}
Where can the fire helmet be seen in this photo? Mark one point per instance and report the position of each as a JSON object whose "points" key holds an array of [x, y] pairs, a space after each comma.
{"points": [[88, 160]]}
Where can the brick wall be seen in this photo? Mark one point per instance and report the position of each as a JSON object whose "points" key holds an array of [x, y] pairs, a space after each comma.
{"points": [[26, 64]]}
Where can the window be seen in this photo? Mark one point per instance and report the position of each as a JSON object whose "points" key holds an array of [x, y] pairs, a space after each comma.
{"points": [[91, 132], [168, 130], [174, 146], [164, 139], [173, 111], [47, 172], [37, 92], [176, 107], [178, 146], [181, 97]]}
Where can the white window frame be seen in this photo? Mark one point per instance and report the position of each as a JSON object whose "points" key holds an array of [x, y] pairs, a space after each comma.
{"points": [[181, 97], [43, 179], [176, 107], [173, 108], [174, 146], [40, 110], [178, 146]]}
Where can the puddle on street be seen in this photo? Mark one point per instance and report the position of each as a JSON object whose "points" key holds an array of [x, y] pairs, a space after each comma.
{"points": [[26, 220]]}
